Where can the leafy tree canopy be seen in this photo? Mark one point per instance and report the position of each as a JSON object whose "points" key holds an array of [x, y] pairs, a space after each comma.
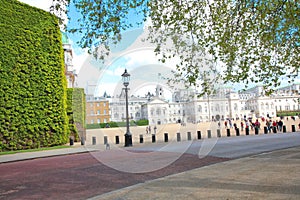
{"points": [[249, 41]]}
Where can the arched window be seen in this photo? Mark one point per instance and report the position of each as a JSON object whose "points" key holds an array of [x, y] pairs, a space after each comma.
{"points": [[235, 106], [200, 108], [158, 111], [262, 106]]}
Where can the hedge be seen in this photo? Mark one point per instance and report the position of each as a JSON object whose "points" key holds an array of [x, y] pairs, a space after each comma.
{"points": [[32, 80], [117, 124], [76, 112]]}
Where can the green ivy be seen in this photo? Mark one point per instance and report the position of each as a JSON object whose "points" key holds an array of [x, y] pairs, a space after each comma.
{"points": [[32, 81], [76, 112]]}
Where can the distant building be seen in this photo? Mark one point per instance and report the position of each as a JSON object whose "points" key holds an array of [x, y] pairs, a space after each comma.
{"points": [[69, 68], [186, 106], [97, 111]]}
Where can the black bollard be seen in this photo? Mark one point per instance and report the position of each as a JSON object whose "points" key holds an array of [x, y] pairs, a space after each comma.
{"points": [[228, 132], [117, 139], [237, 132], [274, 129], [208, 133], [71, 141], [153, 138], [166, 137], [141, 139], [82, 141], [189, 136], [218, 132], [199, 135], [94, 140], [256, 130], [284, 128], [265, 130], [178, 137], [247, 131], [105, 139], [293, 128]]}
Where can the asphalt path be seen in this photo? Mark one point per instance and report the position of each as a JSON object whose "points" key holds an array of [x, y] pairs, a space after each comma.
{"points": [[229, 147], [85, 175]]}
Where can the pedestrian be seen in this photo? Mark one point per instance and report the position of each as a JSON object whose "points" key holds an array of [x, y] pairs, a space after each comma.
{"points": [[280, 124], [268, 124], [155, 129], [230, 123], [242, 126], [225, 123], [274, 126], [147, 130]]}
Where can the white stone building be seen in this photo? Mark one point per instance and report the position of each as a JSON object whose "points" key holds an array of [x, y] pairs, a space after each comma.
{"points": [[187, 107]]}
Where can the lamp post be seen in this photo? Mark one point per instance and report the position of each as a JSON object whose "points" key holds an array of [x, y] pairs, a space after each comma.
{"points": [[128, 137]]}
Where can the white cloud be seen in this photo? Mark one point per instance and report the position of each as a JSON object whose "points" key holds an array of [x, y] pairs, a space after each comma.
{"points": [[79, 59], [42, 4]]}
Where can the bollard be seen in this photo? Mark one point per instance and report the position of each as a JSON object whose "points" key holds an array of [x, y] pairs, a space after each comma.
{"points": [[274, 129], [105, 139], [293, 128], [265, 130], [141, 139], [94, 140], [71, 141], [199, 135], [117, 139], [178, 137], [218, 132], [208, 133], [166, 137], [256, 131], [189, 136], [153, 138], [82, 141], [237, 132], [228, 132], [284, 128], [247, 131]]}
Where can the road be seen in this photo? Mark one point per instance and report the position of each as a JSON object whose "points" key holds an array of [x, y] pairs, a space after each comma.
{"points": [[85, 175]]}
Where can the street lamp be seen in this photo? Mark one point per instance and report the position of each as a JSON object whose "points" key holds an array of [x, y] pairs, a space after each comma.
{"points": [[128, 137]]}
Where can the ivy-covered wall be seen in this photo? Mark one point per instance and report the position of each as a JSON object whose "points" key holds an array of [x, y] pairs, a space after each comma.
{"points": [[32, 81], [76, 113]]}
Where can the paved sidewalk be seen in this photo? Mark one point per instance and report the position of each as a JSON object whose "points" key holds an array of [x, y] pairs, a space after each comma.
{"points": [[273, 175], [46, 153]]}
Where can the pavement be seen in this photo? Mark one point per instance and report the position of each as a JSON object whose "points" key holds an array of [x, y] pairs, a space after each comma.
{"points": [[272, 175], [269, 175]]}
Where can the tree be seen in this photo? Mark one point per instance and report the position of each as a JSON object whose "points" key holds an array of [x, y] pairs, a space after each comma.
{"points": [[246, 41]]}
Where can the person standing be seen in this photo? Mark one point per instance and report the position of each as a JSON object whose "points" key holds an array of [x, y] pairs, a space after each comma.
{"points": [[280, 124]]}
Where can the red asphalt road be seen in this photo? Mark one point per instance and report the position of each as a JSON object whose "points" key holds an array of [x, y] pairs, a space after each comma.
{"points": [[79, 176]]}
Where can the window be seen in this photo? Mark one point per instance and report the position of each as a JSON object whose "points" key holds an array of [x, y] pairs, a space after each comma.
{"points": [[98, 121], [199, 108], [98, 112], [98, 104]]}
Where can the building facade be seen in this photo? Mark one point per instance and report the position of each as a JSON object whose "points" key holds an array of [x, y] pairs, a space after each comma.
{"points": [[97, 111], [187, 107], [68, 56]]}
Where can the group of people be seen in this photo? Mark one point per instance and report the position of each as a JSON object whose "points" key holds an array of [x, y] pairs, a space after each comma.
{"points": [[270, 124], [148, 129]]}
